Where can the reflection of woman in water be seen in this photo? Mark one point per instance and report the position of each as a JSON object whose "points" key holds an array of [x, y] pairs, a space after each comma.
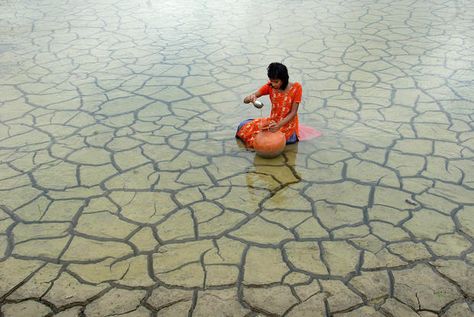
{"points": [[273, 176], [285, 98]]}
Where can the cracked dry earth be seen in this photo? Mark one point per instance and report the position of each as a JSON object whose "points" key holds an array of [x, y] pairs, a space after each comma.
{"points": [[124, 192]]}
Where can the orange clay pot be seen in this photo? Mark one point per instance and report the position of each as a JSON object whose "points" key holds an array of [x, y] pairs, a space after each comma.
{"points": [[269, 144]]}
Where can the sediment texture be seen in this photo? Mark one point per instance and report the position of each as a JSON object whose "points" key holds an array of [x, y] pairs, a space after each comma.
{"points": [[123, 191]]}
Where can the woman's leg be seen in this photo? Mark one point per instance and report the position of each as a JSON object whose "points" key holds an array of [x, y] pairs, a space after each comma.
{"points": [[292, 139], [248, 129]]}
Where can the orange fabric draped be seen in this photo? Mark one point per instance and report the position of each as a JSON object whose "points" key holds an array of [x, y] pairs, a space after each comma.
{"points": [[281, 106]]}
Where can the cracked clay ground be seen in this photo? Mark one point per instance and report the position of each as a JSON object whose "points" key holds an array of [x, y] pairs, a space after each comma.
{"points": [[123, 191]]}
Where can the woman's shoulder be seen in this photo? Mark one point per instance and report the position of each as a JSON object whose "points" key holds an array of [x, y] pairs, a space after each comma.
{"points": [[296, 84]]}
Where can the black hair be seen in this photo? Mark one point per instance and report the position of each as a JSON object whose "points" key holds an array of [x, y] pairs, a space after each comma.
{"points": [[278, 71]]}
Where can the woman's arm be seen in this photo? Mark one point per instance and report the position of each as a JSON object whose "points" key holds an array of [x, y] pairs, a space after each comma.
{"points": [[294, 110], [252, 97]]}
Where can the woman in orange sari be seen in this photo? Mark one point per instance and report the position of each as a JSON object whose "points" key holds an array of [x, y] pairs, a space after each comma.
{"points": [[285, 98]]}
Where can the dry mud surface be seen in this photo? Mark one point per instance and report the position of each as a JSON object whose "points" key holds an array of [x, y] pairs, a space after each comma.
{"points": [[123, 191]]}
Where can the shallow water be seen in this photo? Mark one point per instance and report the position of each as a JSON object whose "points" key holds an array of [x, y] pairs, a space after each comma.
{"points": [[124, 192]]}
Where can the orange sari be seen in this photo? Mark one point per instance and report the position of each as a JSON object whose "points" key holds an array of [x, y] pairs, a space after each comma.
{"points": [[281, 106]]}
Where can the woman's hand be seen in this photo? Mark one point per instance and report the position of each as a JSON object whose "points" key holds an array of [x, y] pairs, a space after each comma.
{"points": [[250, 98], [274, 127], [270, 126]]}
